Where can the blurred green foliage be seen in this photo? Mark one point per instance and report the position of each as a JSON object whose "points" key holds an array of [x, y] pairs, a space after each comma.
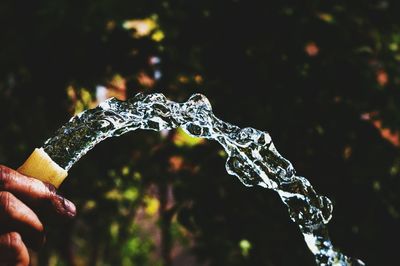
{"points": [[321, 76]]}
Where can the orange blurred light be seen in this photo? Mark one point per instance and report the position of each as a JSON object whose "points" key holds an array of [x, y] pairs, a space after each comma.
{"points": [[198, 79], [311, 49], [145, 80], [183, 79], [392, 137], [118, 82], [110, 25], [382, 77], [386, 133], [175, 163]]}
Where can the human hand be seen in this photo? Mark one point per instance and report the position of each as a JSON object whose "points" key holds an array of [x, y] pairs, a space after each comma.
{"points": [[22, 200]]}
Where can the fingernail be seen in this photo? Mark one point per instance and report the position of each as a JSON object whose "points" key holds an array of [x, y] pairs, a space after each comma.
{"points": [[66, 207]]}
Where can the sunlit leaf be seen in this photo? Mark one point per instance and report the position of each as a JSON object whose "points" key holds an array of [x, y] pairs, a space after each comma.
{"points": [[125, 170], [141, 27], [152, 205], [222, 153], [181, 138], [326, 17], [245, 247], [131, 194], [114, 229], [114, 194], [158, 36], [85, 97], [137, 176], [393, 47], [89, 205]]}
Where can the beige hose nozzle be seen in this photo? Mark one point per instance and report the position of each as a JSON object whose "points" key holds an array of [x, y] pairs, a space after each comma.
{"points": [[39, 165]]}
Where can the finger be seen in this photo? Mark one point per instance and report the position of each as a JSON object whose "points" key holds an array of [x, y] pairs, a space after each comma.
{"points": [[16, 216], [34, 191], [13, 250]]}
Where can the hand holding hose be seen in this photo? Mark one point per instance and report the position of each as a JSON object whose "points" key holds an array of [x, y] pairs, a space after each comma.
{"points": [[25, 205]]}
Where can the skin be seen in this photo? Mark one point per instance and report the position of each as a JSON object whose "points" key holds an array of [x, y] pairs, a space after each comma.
{"points": [[25, 204]]}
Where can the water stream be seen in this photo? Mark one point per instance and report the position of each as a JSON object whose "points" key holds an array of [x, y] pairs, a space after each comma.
{"points": [[252, 156]]}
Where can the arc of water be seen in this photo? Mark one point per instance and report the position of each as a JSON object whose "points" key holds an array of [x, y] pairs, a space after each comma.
{"points": [[252, 156]]}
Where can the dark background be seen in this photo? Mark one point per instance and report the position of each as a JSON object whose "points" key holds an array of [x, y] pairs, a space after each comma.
{"points": [[322, 77]]}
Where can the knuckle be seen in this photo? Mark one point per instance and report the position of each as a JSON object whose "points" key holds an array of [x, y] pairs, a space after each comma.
{"points": [[51, 190], [5, 200], [5, 176], [49, 193], [14, 240]]}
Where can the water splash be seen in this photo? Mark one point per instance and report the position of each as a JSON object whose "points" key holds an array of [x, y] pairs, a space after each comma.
{"points": [[252, 156]]}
